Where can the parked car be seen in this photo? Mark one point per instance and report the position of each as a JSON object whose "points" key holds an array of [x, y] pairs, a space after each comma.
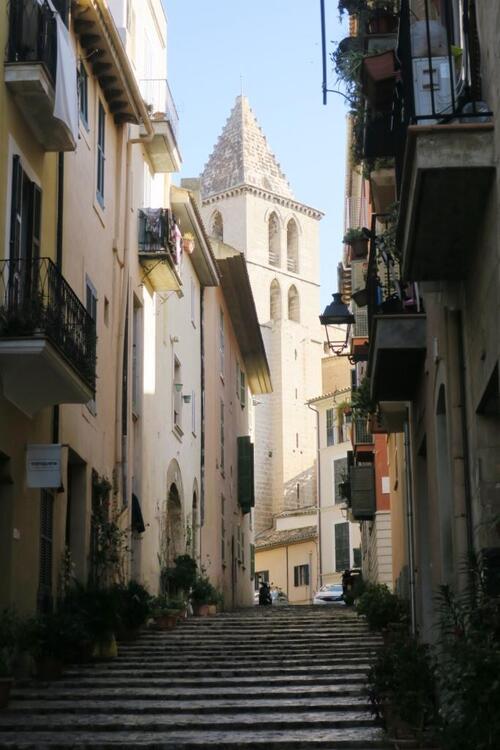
{"points": [[332, 593]]}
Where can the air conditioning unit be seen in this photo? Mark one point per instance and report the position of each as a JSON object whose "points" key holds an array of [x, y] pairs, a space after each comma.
{"points": [[443, 79]]}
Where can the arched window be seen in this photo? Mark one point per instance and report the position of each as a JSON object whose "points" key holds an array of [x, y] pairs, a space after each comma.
{"points": [[275, 300], [274, 240], [217, 226], [293, 304], [292, 246]]}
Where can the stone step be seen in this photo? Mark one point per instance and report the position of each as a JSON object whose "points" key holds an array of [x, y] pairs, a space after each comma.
{"points": [[367, 738], [207, 705], [256, 671], [209, 682], [123, 693], [62, 722]]}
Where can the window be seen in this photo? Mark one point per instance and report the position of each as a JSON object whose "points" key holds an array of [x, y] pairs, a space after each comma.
{"points": [[83, 97], [301, 575], [297, 491], [222, 437], [296, 439], [217, 226], [293, 304], [25, 217], [177, 395], [45, 564], [274, 240], [221, 341], [222, 529], [275, 300], [339, 475], [243, 389], [101, 126], [292, 247], [242, 548], [342, 558], [356, 557], [330, 427]]}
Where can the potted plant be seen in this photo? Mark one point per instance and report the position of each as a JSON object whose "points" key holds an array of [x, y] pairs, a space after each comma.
{"points": [[357, 238], [166, 612], [178, 579], [381, 607], [134, 605], [351, 7], [381, 18], [51, 638], [204, 597]]}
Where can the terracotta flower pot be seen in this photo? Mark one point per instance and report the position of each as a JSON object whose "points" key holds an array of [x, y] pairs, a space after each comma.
{"points": [[166, 622], [5, 686], [359, 247], [212, 609], [106, 649], [201, 610]]}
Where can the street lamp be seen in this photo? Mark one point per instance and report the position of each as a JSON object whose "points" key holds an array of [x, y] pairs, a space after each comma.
{"points": [[337, 314]]}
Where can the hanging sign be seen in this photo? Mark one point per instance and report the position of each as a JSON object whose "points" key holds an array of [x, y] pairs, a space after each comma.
{"points": [[43, 465]]}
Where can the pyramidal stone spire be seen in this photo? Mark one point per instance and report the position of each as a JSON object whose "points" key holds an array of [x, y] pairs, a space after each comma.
{"points": [[242, 157]]}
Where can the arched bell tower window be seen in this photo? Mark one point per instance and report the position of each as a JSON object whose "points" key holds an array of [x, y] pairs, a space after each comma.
{"points": [[292, 246], [275, 298], [217, 226], [293, 304], [274, 240]]}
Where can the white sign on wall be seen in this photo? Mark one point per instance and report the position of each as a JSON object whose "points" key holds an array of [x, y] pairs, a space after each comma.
{"points": [[43, 465]]}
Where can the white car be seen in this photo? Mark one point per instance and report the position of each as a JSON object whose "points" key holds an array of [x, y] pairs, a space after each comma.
{"points": [[332, 593]]}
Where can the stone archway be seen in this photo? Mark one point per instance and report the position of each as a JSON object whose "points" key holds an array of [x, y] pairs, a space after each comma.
{"points": [[175, 525]]}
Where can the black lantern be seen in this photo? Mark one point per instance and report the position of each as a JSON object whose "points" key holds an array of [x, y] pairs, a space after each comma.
{"points": [[337, 314]]}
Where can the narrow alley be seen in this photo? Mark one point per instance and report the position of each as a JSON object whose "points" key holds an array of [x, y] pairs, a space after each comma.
{"points": [[290, 677]]}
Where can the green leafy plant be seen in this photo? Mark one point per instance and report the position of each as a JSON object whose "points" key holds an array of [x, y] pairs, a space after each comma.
{"points": [[54, 635], [402, 685], [134, 604], [109, 540], [381, 607], [163, 605], [361, 401], [203, 592], [96, 609], [353, 234], [469, 665], [180, 577]]}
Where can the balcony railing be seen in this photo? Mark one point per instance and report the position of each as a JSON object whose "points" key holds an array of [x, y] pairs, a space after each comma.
{"points": [[36, 301], [158, 98], [155, 231], [361, 435], [274, 259], [32, 34], [440, 70], [387, 292], [292, 265]]}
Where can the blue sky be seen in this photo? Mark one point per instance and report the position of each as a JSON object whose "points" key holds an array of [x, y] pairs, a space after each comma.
{"points": [[275, 47]]}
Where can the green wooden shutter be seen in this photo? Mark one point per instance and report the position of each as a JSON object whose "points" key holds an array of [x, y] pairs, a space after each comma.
{"points": [[246, 493], [363, 500]]}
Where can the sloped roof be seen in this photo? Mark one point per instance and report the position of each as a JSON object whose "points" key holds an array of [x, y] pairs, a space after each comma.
{"points": [[306, 511], [242, 156], [273, 538]]}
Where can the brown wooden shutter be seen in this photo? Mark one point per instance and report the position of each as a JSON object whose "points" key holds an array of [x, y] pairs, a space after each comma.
{"points": [[16, 208], [363, 500]]}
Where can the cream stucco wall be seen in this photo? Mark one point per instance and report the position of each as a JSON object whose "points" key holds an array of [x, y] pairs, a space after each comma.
{"points": [[281, 561]]}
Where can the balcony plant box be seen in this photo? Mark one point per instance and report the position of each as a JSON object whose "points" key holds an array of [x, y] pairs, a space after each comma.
{"points": [[378, 76], [357, 239], [382, 21]]}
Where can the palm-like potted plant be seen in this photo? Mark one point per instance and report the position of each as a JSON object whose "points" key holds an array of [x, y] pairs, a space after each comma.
{"points": [[134, 604]]}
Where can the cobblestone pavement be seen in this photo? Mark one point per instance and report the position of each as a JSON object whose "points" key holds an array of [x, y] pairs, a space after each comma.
{"points": [[289, 677]]}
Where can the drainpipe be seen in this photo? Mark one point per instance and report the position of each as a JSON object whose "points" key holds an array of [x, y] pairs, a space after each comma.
{"points": [[287, 591], [318, 486], [202, 417], [59, 259], [458, 320], [410, 524]]}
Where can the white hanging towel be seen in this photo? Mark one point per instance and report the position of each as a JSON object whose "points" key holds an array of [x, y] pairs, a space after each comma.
{"points": [[66, 101]]}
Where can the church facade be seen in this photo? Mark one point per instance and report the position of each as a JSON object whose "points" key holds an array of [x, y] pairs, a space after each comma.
{"points": [[248, 203]]}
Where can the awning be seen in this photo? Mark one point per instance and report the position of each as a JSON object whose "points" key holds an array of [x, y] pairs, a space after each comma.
{"points": [[137, 519]]}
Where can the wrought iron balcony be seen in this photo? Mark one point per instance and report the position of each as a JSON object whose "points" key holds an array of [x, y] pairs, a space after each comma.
{"points": [[158, 253], [361, 435], [163, 149], [31, 70], [396, 320], [47, 338], [444, 136]]}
